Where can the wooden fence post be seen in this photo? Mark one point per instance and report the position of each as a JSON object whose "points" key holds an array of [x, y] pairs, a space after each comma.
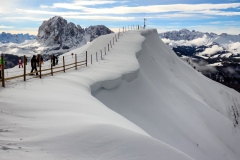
{"points": [[96, 57], [116, 37], [91, 58], [111, 43], [76, 61], [51, 70], [51, 66], [101, 54], [24, 69], [113, 40], [63, 64], [40, 66], [108, 46], [86, 58], [105, 50], [3, 77]]}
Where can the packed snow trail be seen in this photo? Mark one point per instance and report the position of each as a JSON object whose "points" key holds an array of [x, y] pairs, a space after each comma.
{"points": [[56, 117]]}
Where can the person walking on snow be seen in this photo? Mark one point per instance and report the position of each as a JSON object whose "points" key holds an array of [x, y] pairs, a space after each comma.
{"points": [[34, 64], [53, 60], [57, 59], [0, 68], [20, 63]]}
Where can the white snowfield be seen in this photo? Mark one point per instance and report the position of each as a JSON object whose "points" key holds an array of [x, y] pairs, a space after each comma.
{"points": [[151, 107]]}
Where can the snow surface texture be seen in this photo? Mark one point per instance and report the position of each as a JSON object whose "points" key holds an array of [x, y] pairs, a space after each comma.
{"points": [[154, 107]]}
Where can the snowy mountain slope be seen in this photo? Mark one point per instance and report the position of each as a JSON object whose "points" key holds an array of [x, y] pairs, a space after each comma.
{"points": [[171, 111], [15, 38], [58, 118], [177, 105]]}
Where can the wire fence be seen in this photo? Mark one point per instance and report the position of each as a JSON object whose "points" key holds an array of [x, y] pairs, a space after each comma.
{"points": [[61, 63]]}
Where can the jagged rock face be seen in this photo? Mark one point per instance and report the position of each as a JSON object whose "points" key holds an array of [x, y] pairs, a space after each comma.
{"points": [[98, 30], [62, 35], [57, 31]]}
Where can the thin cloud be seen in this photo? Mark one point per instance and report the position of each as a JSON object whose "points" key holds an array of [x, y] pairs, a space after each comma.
{"points": [[218, 13], [47, 12], [102, 18], [5, 27], [71, 15], [174, 15], [22, 18], [145, 9], [80, 4], [216, 22]]}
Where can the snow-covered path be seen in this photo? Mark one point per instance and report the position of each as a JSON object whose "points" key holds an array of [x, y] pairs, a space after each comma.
{"points": [[160, 109]]}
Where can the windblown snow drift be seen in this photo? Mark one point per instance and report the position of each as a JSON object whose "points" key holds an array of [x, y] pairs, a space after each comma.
{"points": [[153, 107]]}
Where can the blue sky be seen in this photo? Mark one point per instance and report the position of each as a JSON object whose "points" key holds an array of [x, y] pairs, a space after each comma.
{"points": [[219, 16]]}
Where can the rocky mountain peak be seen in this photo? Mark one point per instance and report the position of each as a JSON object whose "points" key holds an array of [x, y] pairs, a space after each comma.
{"points": [[98, 30], [58, 32]]}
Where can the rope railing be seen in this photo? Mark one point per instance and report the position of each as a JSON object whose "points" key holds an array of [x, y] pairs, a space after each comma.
{"points": [[62, 63]]}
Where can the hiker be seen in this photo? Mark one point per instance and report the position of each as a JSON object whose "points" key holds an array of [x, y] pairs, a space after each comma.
{"points": [[20, 63], [38, 60], [57, 59], [34, 64], [0, 68], [53, 60]]}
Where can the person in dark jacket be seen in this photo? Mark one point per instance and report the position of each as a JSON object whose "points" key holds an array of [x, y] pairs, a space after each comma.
{"points": [[34, 64], [53, 60], [0, 68]]}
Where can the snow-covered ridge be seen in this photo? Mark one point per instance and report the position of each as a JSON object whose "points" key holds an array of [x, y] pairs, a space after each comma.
{"points": [[165, 110], [15, 38]]}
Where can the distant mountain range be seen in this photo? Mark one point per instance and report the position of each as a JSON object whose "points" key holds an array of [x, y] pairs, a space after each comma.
{"points": [[15, 38], [215, 56], [205, 45], [55, 36]]}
